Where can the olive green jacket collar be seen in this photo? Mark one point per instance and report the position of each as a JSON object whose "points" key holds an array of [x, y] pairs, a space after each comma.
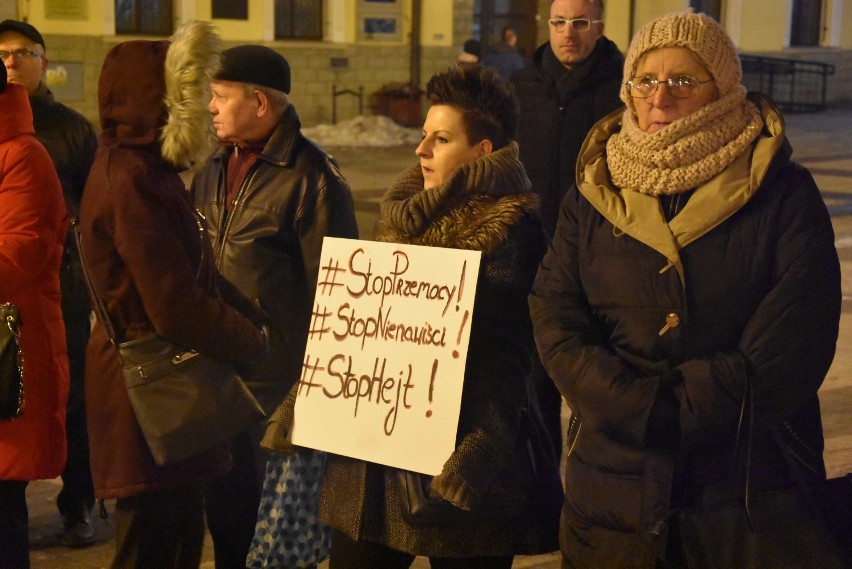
{"points": [[640, 216]]}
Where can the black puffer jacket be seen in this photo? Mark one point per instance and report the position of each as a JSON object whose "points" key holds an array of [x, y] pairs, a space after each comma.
{"points": [[558, 108], [270, 241], [748, 279], [485, 206]]}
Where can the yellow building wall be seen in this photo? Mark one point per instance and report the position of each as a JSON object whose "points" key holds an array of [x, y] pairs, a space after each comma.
{"points": [[755, 27], [33, 11], [436, 24], [846, 26], [646, 10], [617, 22]]}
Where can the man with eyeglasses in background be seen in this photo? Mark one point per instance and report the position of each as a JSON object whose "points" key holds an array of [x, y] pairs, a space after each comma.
{"points": [[572, 81], [71, 142]]}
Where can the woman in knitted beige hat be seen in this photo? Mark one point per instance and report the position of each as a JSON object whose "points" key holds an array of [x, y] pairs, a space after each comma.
{"points": [[691, 258]]}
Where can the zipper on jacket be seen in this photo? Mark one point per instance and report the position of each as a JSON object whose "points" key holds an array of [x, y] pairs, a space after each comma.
{"points": [[226, 225]]}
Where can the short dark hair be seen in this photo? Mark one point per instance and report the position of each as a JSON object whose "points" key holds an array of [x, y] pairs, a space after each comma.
{"points": [[598, 2], [487, 103]]}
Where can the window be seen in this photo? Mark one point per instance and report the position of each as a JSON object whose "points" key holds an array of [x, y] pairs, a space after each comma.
{"points": [[298, 19], [712, 8], [230, 9], [806, 24], [143, 17], [380, 20]]}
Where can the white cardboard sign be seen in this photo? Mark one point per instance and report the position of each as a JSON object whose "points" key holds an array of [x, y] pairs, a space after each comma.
{"points": [[384, 365]]}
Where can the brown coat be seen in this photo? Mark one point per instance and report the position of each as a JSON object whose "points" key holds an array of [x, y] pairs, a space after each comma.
{"points": [[485, 206], [144, 251]]}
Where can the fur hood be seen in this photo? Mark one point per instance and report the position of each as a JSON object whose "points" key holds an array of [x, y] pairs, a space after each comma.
{"points": [[156, 93], [191, 62], [474, 209]]}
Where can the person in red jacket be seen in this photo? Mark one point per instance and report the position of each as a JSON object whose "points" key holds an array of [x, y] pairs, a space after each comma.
{"points": [[33, 224]]}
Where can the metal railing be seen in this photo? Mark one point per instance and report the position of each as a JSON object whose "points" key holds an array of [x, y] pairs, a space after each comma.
{"points": [[335, 93], [793, 85]]}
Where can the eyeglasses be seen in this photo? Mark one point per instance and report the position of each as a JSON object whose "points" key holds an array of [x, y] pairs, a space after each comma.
{"points": [[680, 87], [577, 24], [19, 54]]}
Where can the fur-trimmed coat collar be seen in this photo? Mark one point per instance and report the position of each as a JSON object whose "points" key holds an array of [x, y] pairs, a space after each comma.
{"points": [[474, 210]]}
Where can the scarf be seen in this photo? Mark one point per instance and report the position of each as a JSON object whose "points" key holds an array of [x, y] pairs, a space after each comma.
{"points": [[686, 153], [239, 163], [567, 81], [474, 209]]}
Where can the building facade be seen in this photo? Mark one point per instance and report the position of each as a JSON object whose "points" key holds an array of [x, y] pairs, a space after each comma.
{"points": [[392, 47]]}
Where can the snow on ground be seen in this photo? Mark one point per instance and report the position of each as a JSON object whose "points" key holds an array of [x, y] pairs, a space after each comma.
{"points": [[376, 130]]}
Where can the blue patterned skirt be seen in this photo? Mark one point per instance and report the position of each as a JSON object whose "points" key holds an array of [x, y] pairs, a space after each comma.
{"points": [[288, 534]]}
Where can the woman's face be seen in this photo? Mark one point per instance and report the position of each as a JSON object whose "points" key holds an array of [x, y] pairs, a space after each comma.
{"points": [[445, 146], [661, 109]]}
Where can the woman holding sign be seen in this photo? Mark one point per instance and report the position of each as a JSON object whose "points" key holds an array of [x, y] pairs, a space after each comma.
{"points": [[499, 493]]}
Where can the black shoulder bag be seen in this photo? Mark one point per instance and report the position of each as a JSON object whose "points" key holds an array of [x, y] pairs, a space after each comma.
{"points": [[774, 530], [185, 402], [11, 364]]}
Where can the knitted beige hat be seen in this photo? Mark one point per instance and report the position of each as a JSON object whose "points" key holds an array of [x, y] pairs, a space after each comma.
{"points": [[697, 32]]}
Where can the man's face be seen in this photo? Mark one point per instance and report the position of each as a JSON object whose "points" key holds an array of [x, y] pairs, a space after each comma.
{"points": [[570, 46], [25, 69], [234, 112]]}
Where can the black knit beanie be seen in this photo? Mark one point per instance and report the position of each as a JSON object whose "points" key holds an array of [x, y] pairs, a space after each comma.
{"points": [[255, 64]]}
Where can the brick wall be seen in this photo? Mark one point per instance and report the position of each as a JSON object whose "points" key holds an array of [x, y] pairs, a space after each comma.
{"points": [[370, 67]]}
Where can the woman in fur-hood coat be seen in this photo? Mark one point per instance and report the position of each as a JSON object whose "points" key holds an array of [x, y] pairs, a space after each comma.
{"points": [[484, 204], [151, 264]]}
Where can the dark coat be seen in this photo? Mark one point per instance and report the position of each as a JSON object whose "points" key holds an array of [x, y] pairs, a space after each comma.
{"points": [[153, 268], [750, 270], [69, 139], [558, 108], [33, 223], [504, 59], [485, 206], [71, 142], [269, 242]]}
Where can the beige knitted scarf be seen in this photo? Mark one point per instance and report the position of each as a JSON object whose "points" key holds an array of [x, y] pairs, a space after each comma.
{"points": [[686, 153]]}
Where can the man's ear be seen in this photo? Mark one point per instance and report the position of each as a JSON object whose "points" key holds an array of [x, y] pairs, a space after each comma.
{"points": [[262, 103]]}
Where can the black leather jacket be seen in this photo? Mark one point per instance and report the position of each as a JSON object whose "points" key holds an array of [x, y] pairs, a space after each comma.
{"points": [[270, 241], [71, 142]]}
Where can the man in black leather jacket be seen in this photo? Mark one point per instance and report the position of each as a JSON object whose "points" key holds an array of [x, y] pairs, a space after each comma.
{"points": [[269, 196], [571, 83], [71, 143]]}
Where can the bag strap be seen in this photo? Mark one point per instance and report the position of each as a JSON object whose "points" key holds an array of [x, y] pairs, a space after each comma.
{"points": [[747, 409], [97, 303], [747, 416]]}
